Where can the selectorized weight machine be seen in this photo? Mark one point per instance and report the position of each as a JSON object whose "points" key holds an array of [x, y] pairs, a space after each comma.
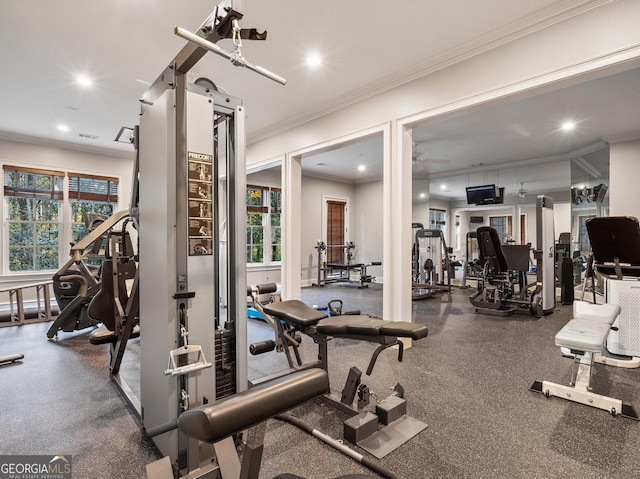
{"points": [[193, 352], [431, 265], [471, 269], [502, 285]]}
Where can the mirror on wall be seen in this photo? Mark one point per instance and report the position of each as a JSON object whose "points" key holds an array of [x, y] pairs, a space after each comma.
{"points": [[549, 143], [589, 196]]}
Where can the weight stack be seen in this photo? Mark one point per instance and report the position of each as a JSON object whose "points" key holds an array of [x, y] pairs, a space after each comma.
{"points": [[225, 363], [566, 281]]}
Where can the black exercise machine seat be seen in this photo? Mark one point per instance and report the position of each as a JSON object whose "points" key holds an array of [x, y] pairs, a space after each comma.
{"points": [[214, 422], [489, 247], [615, 245], [296, 313], [366, 326]]}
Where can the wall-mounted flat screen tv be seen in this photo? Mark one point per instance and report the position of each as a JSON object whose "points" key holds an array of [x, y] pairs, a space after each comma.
{"points": [[482, 195]]}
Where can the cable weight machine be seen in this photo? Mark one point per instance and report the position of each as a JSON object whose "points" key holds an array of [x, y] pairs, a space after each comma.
{"points": [[192, 350]]}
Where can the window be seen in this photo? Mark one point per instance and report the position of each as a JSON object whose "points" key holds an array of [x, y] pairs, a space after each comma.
{"points": [[36, 230], [264, 227], [502, 224], [90, 195], [437, 219], [33, 201], [336, 216]]}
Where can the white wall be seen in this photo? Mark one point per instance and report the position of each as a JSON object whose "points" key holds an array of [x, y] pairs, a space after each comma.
{"points": [[61, 159], [365, 223], [624, 173], [368, 226], [313, 191], [420, 212], [270, 177], [561, 218]]}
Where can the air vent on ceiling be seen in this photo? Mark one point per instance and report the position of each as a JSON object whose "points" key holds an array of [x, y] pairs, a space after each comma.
{"points": [[87, 136]]}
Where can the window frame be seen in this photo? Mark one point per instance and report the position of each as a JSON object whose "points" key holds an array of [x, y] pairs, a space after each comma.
{"points": [[64, 220], [508, 220], [266, 210], [436, 223]]}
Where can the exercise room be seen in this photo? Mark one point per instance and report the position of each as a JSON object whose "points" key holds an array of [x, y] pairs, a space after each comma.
{"points": [[262, 240]]}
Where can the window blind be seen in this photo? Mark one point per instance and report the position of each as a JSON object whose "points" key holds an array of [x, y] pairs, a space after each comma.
{"points": [[33, 183], [93, 188]]}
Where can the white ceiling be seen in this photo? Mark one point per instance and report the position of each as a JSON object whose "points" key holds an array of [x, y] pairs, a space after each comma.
{"points": [[509, 144], [367, 45]]}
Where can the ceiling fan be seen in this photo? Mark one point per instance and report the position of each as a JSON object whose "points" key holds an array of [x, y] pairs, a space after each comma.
{"points": [[522, 192], [416, 156]]}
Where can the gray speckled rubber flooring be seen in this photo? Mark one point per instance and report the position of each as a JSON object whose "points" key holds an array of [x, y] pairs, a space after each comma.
{"points": [[468, 380]]}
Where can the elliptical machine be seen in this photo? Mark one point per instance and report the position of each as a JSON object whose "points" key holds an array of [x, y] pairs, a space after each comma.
{"points": [[77, 282]]}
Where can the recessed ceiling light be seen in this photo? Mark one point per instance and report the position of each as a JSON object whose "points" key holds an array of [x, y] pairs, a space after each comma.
{"points": [[84, 81], [443, 186], [62, 127], [423, 195], [568, 125], [314, 60], [362, 168]]}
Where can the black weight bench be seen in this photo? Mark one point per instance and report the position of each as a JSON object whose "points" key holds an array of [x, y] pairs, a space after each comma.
{"points": [[293, 317], [217, 423], [378, 431], [297, 316]]}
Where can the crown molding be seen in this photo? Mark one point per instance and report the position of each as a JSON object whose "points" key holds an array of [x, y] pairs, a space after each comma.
{"points": [[539, 20], [40, 141], [622, 137], [515, 164]]}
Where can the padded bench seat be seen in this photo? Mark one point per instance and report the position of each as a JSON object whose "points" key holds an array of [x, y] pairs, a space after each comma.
{"points": [[297, 313], [366, 326], [598, 312], [584, 335], [294, 312], [214, 422], [590, 327]]}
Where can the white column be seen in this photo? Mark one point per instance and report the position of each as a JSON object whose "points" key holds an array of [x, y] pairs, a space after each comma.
{"points": [[397, 231], [624, 171], [291, 227]]}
